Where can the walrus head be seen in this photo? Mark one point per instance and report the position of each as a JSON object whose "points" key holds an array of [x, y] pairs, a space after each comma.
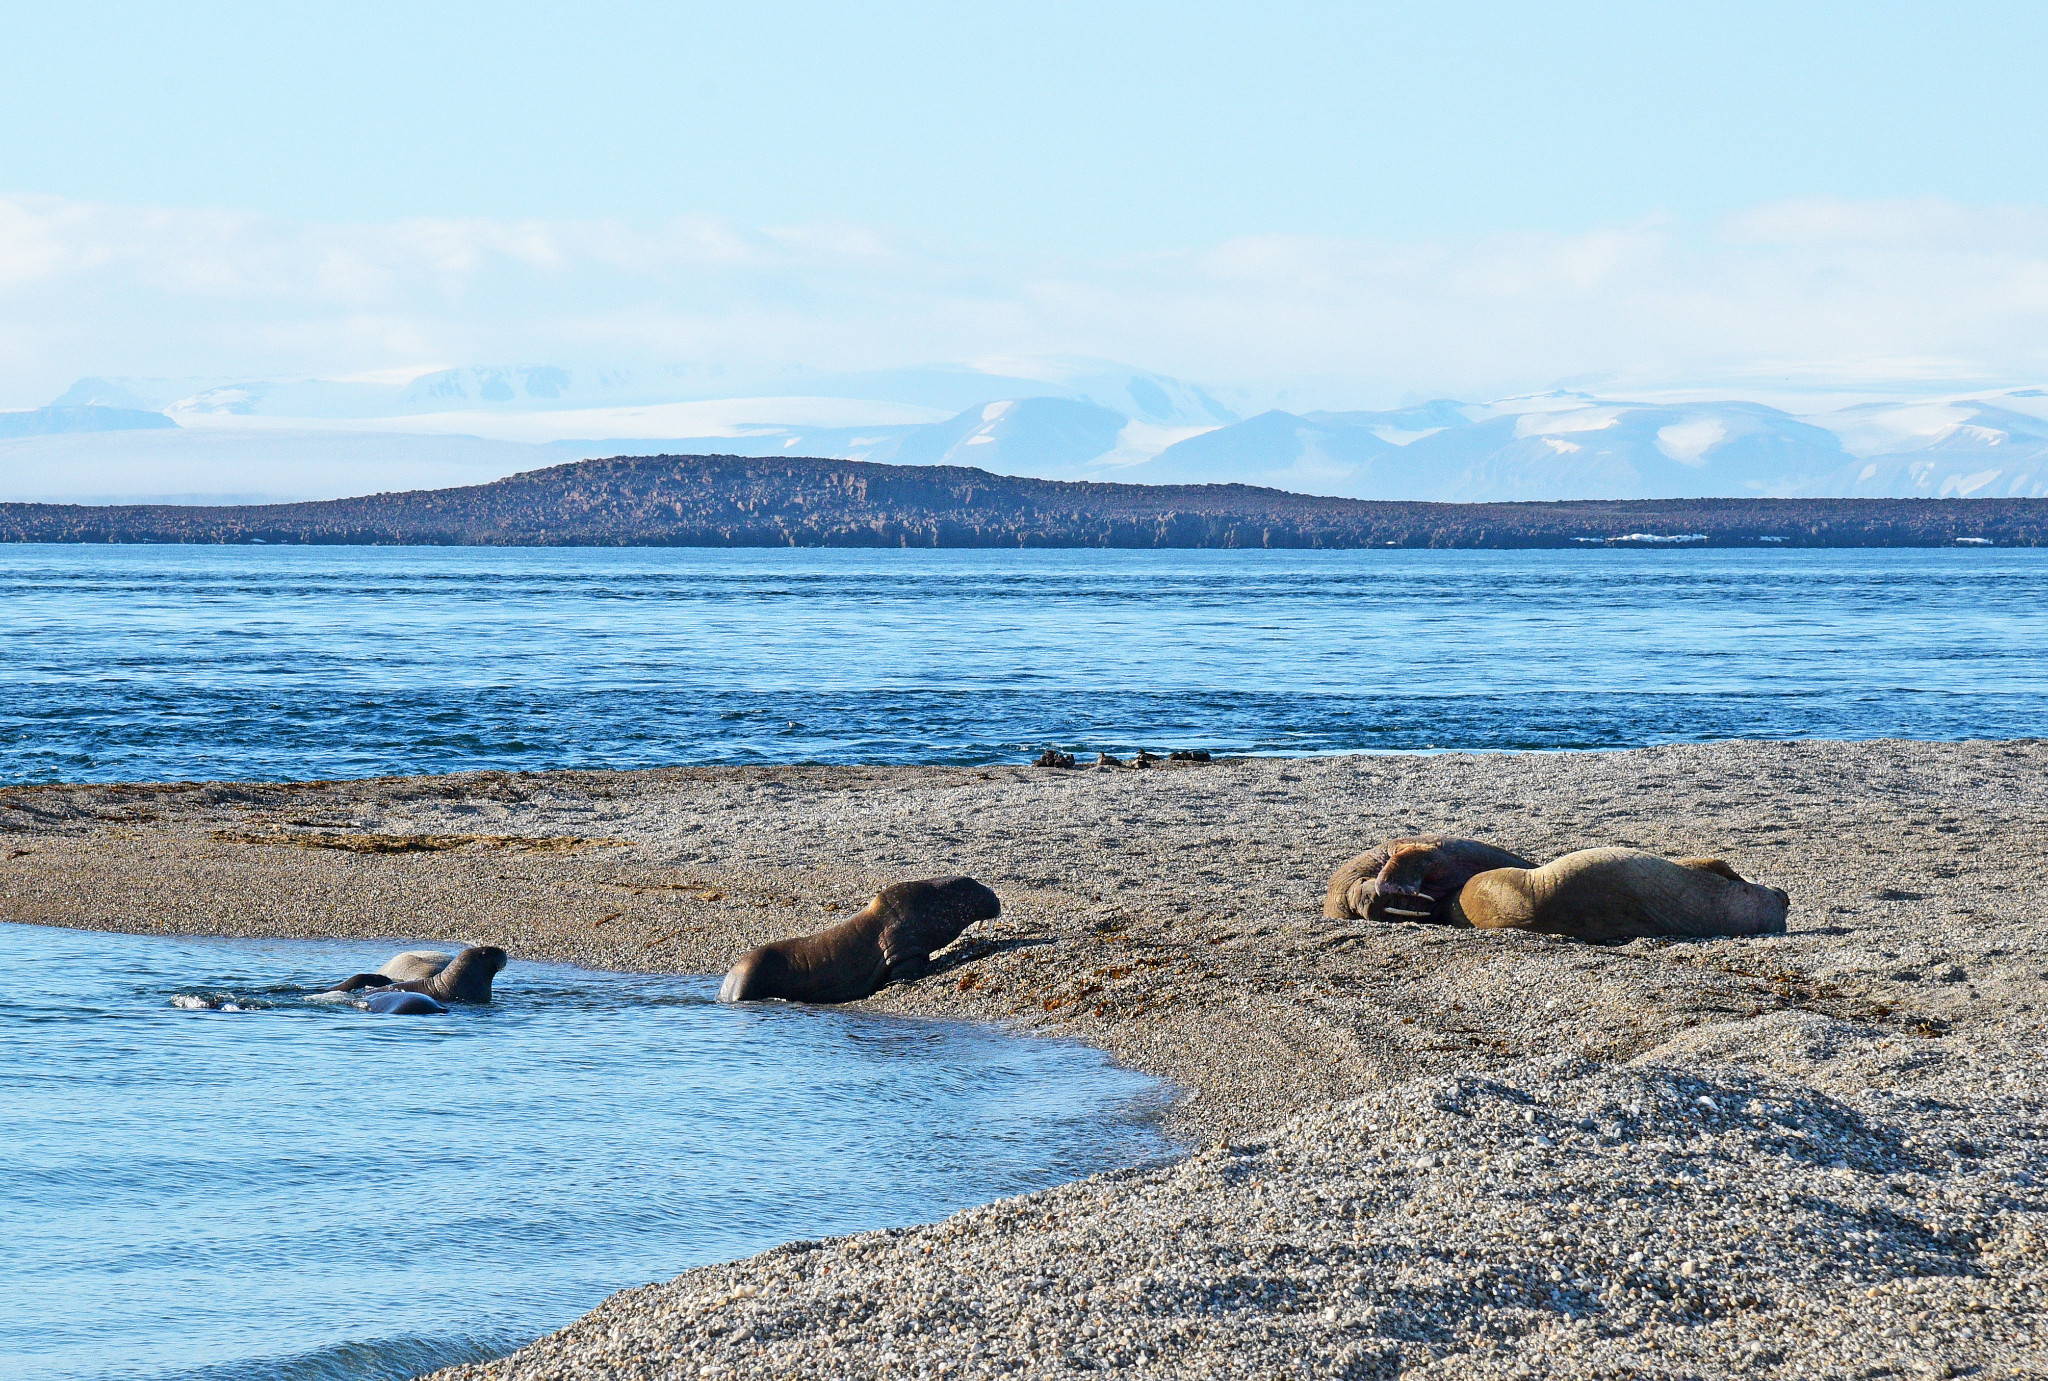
{"points": [[1401, 889], [468, 975]]}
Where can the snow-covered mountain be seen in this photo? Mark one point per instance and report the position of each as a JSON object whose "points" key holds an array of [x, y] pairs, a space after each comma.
{"points": [[1552, 446], [1047, 438], [1575, 445], [927, 392], [1962, 448], [192, 439]]}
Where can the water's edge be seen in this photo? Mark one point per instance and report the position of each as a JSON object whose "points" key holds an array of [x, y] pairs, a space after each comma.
{"points": [[390, 1355]]}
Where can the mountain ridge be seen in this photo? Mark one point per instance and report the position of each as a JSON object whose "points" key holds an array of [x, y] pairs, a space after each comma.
{"points": [[729, 501]]}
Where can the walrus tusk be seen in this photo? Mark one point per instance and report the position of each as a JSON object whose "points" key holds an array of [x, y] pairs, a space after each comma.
{"points": [[1429, 867]]}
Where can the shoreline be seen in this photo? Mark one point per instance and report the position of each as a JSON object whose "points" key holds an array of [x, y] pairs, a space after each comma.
{"points": [[1421, 1151]]}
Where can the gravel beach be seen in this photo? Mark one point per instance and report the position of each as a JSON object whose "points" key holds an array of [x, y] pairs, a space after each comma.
{"points": [[1415, 1151]]}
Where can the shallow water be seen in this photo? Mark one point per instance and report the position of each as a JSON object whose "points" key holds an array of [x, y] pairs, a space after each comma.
{"points": [[149, 662], [305, 1190]]}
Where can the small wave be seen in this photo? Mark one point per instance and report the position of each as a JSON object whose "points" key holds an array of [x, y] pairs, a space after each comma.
{"points": [[226, 1002], [372, 1360]]}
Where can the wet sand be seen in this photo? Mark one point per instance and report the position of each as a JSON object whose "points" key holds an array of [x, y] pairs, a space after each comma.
{"points": [[1423, 1152]]}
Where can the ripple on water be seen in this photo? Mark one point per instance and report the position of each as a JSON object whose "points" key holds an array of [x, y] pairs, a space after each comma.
{"points": [[138, 663], [301, 1189]]}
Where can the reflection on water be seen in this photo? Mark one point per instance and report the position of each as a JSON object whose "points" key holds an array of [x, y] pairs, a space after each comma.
{"points": [[302, 1189], [145, 663]]}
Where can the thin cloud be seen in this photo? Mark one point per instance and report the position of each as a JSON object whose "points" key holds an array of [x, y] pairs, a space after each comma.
{"points": [[1822, 293]]}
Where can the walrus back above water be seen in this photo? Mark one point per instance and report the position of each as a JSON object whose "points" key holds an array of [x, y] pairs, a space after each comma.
{"points": [[1412, 878], [1611, 895], [415, 964], [887, 941], [465, 978]]}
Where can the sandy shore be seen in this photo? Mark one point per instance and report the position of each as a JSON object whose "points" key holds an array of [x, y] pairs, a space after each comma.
{"points": [[1426, 1152]]}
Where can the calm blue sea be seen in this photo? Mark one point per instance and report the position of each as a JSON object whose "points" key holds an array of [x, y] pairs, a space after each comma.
{"points": [[151, 662], [301, 1190]]}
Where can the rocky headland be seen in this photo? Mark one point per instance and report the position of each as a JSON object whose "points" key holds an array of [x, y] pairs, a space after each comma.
{"points": [[739, 501]]}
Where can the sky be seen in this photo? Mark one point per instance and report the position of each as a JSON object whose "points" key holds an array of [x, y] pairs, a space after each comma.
{"points": [[1353, 201]]}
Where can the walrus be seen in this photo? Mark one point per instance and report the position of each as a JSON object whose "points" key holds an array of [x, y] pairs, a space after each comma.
{"points": [[409, 967], [393, 1003], [1611, 895], [415, 964], [1411, 879], [888, 941], [466, 978]]}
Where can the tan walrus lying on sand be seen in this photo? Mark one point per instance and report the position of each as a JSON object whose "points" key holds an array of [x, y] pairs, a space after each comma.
{"points": [[889, 941], [1610, 895], [1411, 879]]}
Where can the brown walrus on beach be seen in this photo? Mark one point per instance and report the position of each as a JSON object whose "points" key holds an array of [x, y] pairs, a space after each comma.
{"points": [[888, 941], [1411, 879], [1610, 895], [465, 978]]}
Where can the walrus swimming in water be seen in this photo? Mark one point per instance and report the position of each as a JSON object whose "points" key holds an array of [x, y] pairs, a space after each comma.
{"points": [[393, 1003], [1411, 879], [466, 978], [888, 941], [1611, 895]]}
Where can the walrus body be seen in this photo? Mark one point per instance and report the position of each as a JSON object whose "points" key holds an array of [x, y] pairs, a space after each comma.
{"points": [[398, 1004], [888, 941], [1611, 895], [465, 978], [415, 964], [1411, 879]]}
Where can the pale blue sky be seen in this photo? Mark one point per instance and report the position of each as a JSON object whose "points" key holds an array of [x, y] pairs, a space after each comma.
{"points": [[1327, 204], [1090, 129]]}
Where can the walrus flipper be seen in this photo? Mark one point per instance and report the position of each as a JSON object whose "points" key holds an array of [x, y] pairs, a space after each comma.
{"points": [[921, 918], [359, 980]]}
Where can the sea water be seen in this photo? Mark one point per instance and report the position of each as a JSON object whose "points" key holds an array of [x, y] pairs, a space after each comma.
{"points": [[152, 662], [299, 1189]]}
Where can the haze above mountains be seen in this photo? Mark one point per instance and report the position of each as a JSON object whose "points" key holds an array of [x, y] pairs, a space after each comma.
{"points": [[216, 440]]}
